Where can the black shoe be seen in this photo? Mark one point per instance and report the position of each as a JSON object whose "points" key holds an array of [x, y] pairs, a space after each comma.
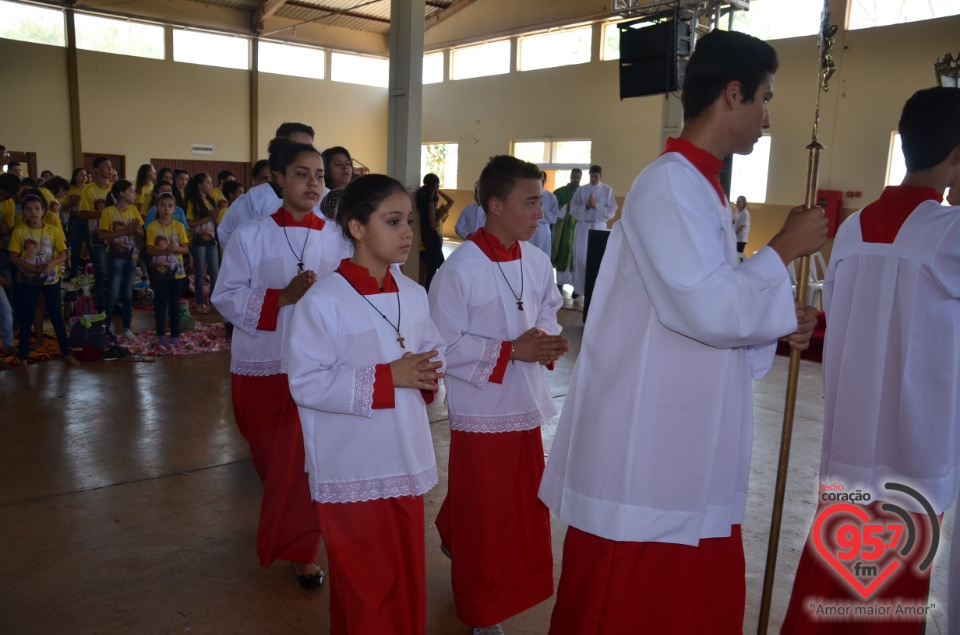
{"points": [[309, 581]]}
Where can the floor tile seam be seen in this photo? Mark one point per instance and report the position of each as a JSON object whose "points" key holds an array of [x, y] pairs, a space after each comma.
{"points": [[121, 483]]}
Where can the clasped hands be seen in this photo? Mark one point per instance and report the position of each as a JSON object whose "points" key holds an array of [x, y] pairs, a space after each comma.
{"points": [[536, 346]]}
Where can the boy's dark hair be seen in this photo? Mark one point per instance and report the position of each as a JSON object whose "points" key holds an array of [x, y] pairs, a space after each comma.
{"points": [[722, 57], [29, 182], [230, 188], [55, 183], [14, 163], [178, 171], [596, 169], [9, 183], [499, 175], [223, 175], [259, 165], [930, 127], [431, 180], [362, 197], [98, 161], [288, 154], [288, 128]]}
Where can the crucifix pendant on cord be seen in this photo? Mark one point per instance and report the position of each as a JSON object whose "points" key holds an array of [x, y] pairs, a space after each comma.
{"points": [[519, 305], [401, 339], [299, 267]]}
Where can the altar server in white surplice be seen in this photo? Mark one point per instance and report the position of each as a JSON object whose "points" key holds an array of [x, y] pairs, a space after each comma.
{"points": [[651, 459], [495, 303], [471, 218], [891, 367], [264, 199], [543, 239], [364, 361], [268, 265], [592, 206]]}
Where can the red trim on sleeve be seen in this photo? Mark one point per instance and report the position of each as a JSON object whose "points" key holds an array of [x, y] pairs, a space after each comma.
{"points": [[429, 395], [550, 366], [383, 390], [270, 311], [496, 376]]}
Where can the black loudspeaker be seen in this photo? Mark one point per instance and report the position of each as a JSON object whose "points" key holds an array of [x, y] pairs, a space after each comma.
{"points": [[596, 247], [653, 52]]}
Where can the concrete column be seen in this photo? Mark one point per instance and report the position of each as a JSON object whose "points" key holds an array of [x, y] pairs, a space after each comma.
{"points": [[255, 100], [406, 103], [73, 78]]}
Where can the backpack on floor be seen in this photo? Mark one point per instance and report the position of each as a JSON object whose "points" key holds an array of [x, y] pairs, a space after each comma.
{"points": [[85, 332]]}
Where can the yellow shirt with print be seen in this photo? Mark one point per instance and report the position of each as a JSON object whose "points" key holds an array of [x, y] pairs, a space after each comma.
{"points": [[94, 199], [38, 246], [202, 234], [143, 200], [8, 210], [174, 234], [113, 219]]}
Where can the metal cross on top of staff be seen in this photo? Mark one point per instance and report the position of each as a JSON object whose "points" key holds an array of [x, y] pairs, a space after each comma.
{"points": [[828, 34]]}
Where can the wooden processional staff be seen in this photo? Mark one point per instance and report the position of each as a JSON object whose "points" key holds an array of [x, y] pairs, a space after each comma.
{"points": [[827, 68]]}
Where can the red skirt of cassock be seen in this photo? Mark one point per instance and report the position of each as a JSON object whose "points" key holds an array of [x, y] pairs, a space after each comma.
{"points": [[377, 561], [495, 526], [267, 418], [611, 588], [816, 579]]}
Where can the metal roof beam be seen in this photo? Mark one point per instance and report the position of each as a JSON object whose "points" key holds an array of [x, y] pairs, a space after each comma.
{"points": [[263, 11]]}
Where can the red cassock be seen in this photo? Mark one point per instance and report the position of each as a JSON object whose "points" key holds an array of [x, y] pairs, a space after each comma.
{"points": [[377, 565], [267, 418], [495, 527], [610, 587]]}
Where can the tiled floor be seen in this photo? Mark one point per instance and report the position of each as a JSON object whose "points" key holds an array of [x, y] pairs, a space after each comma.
{"points": [[129, 504]]}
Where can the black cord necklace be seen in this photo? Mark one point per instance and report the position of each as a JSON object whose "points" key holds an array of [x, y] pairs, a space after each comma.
{"points": [[396, 327], [518, 298], [302, 251]]}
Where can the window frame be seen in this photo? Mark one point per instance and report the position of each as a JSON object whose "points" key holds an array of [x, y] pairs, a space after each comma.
{"points": [[454, 52], [523, 39], [228, 36], [334, 55]]}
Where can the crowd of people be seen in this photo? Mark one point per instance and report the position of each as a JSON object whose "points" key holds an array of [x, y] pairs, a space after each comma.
{"points": [[651, 459]]}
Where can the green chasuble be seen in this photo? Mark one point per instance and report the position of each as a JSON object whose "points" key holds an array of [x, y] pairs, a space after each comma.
{"points": [[562, 252]]}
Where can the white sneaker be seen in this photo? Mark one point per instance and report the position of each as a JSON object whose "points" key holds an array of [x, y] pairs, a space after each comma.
{"points": [[128, 334], [496, 629]]}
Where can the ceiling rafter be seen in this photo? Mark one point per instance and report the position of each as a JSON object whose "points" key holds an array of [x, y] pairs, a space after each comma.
{"points": [[264, 10], [443, 14], [334, 11]]}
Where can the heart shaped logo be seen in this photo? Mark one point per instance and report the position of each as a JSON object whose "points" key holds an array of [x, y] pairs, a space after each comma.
{"points": [[831, 557]]}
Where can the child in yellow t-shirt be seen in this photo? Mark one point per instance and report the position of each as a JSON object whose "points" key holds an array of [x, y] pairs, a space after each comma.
{"points": [[166, 243], [120, 225], [37, 251]]}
